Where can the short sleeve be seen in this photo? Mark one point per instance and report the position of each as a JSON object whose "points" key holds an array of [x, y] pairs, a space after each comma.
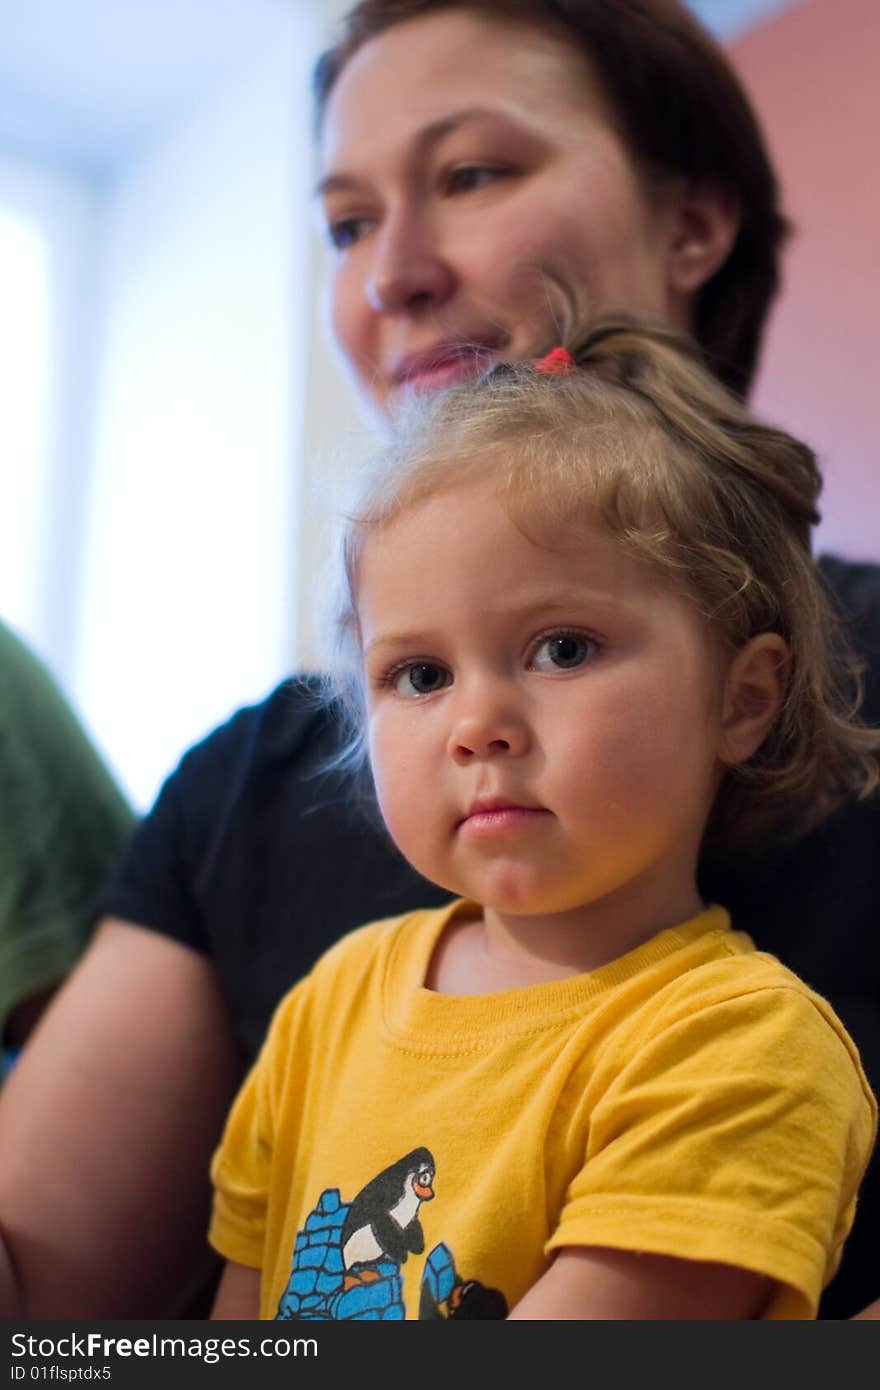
{"points": [[152, 884], [737, 1134], [63, 824], [177, 876], [241, 1168]]}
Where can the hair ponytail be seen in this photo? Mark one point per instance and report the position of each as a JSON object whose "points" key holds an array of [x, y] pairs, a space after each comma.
{"points": [[666, 370]]}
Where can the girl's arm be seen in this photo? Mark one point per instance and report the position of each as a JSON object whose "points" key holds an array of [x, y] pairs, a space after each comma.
{"points": [[597, 1284], [238, 1296]]}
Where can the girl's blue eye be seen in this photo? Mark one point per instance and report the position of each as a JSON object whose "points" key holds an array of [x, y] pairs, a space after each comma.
{"points": [[420, 678], [564, 651]]}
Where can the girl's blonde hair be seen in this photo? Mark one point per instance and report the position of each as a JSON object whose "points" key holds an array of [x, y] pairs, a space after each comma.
{"points": [[711, 500]]}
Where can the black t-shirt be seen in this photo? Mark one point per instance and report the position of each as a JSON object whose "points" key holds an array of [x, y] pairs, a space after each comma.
{"points": [[258, 855]]}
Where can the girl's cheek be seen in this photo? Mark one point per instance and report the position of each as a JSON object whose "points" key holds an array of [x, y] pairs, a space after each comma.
{"points": [[387, 753]]}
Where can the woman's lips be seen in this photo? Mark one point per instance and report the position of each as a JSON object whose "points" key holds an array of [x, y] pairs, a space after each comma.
{"points": [[446, 365]]}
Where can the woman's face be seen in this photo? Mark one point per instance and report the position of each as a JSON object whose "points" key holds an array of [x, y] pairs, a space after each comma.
{"points": [[479, 201]]}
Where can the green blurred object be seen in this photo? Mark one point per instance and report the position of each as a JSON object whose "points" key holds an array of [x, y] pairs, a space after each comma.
{"points": [[63, 824]]}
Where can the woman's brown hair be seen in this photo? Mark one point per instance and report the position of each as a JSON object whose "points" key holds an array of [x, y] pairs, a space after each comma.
{"points": [[682, 114], [716, 504]]}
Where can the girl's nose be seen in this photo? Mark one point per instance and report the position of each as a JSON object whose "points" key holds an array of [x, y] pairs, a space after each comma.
{"points": [[484, 731]]}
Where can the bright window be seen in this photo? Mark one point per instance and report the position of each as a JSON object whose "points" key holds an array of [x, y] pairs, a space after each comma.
{"points": [[24, 381]]}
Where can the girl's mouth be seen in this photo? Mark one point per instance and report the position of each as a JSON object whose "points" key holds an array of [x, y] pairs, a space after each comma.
{"points": [[501, 818]]}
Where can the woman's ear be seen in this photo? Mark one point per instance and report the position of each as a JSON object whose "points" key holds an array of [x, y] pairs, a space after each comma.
{"points": [[753, 692], [706, 225]]}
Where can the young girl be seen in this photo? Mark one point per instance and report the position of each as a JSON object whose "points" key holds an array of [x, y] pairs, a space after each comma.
{"points": [[581, 635]]}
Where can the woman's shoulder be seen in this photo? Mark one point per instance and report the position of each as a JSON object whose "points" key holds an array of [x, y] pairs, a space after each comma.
{"points": [[293, 730], [856, 583], [855, 586], [282, 724]]}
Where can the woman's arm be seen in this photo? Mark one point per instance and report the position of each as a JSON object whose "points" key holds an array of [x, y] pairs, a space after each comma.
{"points": [[107, 1125], [238, 1296], [599, 1284], [871, 1312]]}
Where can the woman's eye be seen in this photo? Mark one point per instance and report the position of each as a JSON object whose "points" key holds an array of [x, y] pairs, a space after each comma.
{"points": [[467, 178], [345, 231], [420, 678], [562, 652]]}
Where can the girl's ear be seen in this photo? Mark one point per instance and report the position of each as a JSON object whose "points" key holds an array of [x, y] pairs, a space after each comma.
{"points": [[753, 692]]}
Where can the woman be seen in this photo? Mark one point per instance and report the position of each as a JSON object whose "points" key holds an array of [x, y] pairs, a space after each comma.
{"points": [[490, 172]]}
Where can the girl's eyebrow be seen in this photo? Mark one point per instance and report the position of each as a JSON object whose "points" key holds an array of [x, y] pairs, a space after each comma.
{"points": [[338, 181], [605, 601], [399, 641]]}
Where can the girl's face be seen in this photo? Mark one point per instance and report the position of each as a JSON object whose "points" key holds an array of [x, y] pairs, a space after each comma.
{"points": [[543, 725], [480, 201]]}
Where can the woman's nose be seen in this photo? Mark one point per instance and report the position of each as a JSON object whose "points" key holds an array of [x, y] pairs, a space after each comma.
{"points": [[408, 274]]}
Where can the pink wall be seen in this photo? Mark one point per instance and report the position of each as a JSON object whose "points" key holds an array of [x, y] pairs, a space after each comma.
{"points": [[813, 73]]}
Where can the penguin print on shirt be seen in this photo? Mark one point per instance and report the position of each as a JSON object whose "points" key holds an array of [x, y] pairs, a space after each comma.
{"points": [[347, 1258], [383, 1219]]}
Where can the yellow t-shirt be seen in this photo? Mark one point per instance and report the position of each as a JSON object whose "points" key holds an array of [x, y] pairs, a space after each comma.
{"points": [[398, 1152]]}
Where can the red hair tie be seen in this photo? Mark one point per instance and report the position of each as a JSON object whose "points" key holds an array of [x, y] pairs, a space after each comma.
{"points": [[558, 360]]}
